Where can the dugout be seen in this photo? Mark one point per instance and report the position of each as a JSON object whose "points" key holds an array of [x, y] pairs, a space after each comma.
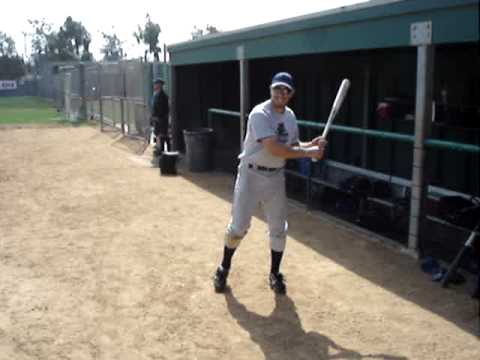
{"points": [[414, 67]]}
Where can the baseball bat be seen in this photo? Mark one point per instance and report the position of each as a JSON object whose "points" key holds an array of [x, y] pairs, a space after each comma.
{"points": [[453, 267], [337, 104]]}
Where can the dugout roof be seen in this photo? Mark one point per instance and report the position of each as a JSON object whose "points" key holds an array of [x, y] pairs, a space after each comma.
{"points": [[370, 25]]}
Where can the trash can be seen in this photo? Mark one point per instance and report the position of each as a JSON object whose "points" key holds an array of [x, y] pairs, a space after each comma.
{"points": [[168, 163], [199, 149]]}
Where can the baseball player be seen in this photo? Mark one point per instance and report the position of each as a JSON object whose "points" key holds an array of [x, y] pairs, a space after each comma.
{"points": [[272, 137], [159, 120]]}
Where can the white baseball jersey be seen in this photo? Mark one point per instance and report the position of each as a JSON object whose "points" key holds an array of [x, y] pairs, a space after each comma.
{"points": [[264, 122]]}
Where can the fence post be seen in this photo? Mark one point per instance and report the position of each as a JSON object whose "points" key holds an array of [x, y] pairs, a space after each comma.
{"points": [[244, 92], [122, 98], [99, 95], [82, 113], [173, 109], [148, 80], [67, 80], [423, 116]]}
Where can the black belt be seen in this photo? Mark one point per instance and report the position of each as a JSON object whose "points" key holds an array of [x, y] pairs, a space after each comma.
{"points": [[262, 168]]}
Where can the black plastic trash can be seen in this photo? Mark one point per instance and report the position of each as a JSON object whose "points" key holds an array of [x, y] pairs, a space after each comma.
{"points": [[168, 163], [199, 149]]}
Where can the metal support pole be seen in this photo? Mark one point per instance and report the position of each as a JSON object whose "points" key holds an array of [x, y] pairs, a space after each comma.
{"points": [[209, 119], [67, 90], [100, 94], [173, 109], [147, 82], [82, 115], [423, 116], [244, 98], [366, 111], [122, 98]]}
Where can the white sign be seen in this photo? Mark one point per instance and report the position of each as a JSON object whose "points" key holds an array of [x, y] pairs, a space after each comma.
{"points": [[421, 33], [8, 84]]}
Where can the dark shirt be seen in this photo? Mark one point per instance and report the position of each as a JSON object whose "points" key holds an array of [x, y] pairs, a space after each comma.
{"points": [[160, 111], [160, 105]]}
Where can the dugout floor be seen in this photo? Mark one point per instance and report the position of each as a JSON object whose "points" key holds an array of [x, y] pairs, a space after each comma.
{"points": [[101, 258]]}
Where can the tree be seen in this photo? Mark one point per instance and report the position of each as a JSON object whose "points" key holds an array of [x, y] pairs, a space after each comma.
{"points": [[41, 29], [77, 35], [87, 55], [198, 32], [12, 66], [7, 45], [112, 49], [64, 44], [60, 46], [212, 30], [149, 36]]}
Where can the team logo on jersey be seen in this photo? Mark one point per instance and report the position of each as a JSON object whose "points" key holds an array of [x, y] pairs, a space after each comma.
{"points": [[282, 133]]}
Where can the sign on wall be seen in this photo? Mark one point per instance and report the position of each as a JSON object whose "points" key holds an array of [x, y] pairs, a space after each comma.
{"points": [[8, 85]]}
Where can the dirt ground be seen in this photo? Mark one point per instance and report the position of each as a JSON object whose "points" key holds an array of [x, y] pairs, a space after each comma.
{"points": [[102, 258]]}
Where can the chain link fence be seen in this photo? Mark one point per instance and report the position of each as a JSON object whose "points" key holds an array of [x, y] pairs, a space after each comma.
{"points": [[115, 94], [137, 85], [92, 91], [110, 94], [51, 83]]}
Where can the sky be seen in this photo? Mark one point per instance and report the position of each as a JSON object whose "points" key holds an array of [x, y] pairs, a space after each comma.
{"points": [[177, 18]]}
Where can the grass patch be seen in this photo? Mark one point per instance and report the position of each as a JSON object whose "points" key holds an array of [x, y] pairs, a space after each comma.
{"points": [[28, 110]]}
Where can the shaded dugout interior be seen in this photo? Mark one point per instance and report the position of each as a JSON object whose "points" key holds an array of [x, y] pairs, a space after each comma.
{"points": [[381, 74]]}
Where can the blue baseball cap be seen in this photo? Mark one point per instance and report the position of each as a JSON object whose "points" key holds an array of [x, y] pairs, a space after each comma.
{"points": [[282, 79], [159, 81]]}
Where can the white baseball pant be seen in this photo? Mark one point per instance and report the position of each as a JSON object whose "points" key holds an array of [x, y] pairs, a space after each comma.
{"points": [[254, 187]]}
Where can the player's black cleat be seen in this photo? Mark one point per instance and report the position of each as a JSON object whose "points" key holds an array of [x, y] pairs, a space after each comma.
{"points": [[220, 280], [277, 283]]}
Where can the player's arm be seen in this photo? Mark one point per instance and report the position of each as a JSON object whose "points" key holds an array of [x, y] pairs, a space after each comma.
{"points": [[289, 152], [318, 141]]}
